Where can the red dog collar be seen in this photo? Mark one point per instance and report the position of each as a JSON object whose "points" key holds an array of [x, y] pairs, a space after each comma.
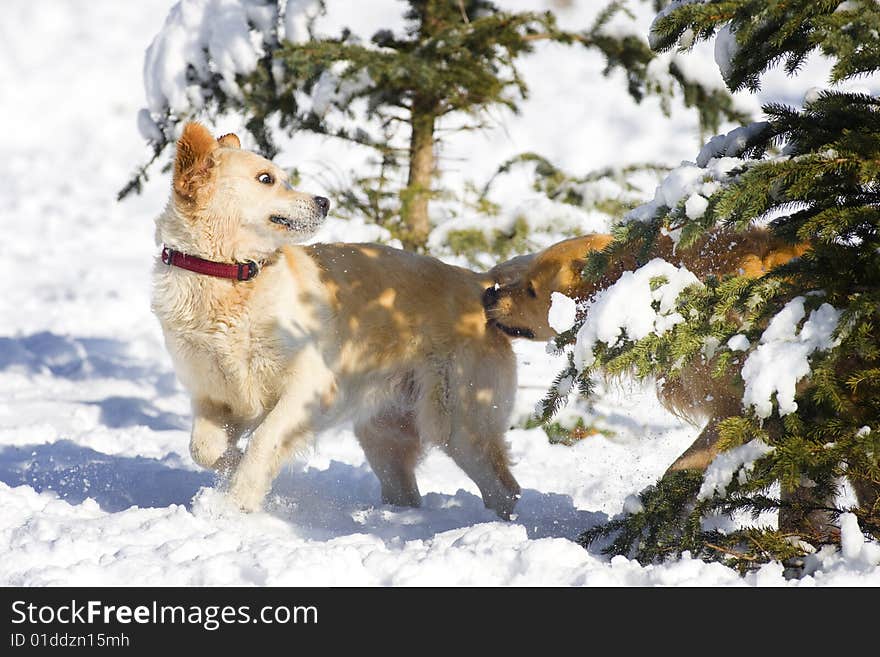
{"points": [[238, 271]]}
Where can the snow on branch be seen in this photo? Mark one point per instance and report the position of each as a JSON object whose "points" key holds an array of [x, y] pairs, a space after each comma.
{"points": [[722, 469], [641, 302], [204, 43], [782, 356], [685, 191]]}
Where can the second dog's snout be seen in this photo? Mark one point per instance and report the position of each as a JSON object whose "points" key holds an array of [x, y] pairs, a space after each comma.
{"points": [[323, 204], [490, 297]]}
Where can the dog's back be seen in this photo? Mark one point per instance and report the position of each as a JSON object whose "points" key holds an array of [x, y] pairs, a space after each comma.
{"points": [[399, 303]]}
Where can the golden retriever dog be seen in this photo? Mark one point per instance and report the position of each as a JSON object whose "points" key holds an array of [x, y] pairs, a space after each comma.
{"points": [[519, 303], [304, 337]]}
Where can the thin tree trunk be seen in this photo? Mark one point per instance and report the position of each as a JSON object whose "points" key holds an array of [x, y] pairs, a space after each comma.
{"points": [[414, 206]]}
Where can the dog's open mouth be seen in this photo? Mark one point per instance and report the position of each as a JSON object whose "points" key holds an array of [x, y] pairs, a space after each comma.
{"points": [[287, 222], [514, 331]]}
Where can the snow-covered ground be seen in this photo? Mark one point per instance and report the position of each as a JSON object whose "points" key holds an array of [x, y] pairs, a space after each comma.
{"points": [[96, 483]]}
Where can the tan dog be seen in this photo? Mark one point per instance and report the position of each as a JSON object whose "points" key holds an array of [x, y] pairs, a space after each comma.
{"points": [[520, 301], [395, 341]]}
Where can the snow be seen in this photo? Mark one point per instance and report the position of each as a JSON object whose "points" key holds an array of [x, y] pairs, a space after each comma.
{"points": [[731, 144], [334, 89], [687, 183], [686, 40], [96, 483], [195, 30], [851, 538], [632, 504], [812, 95], [695, 206], [738, 342], [665, 11], [563, 311], [297, 16], [206, 39], [726, 48], [721, 470], [847, 5], [782, 356], [632, 308]]}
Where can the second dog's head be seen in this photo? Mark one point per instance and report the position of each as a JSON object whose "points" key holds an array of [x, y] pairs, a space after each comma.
{"points": [[519, 302], [231, 203]]}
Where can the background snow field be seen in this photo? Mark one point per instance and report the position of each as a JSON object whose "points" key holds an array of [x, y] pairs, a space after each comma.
{"points": [[96, 483]]}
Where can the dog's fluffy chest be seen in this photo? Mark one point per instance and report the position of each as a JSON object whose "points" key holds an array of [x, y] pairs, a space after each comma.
{"points": [[230, 343]]}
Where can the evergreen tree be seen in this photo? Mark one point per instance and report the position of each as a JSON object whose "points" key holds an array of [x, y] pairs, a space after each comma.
{"points": [[456, 57], [813, 173]]}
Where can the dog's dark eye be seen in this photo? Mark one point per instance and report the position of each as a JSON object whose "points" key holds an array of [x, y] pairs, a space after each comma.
{"points": [[531, 290], [266, 179]]}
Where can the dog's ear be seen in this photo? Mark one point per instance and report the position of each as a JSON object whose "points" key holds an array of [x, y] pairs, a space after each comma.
{"points": [[512, 271], [229, 140], [193, 159], [569, 276]]}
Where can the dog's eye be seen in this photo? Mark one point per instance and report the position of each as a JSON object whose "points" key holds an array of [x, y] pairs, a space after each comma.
{"points": [[531, 290], [266, 179]]}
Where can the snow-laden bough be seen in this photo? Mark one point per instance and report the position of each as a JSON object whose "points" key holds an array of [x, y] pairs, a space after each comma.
{"points": [[781, 359], [632, 308]]}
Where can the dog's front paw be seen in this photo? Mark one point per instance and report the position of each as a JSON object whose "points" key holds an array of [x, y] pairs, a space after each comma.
{"points": [[245, 497], [245, 503]]}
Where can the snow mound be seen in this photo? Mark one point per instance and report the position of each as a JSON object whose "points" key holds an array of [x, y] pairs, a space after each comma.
{"points": [[688, 184], [738, 342]]}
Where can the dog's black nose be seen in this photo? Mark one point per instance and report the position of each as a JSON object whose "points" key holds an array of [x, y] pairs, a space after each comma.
{"points": [[490, 297], [323, 204]]}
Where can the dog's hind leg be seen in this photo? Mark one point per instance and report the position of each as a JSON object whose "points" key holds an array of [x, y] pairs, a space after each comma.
{"points": [[214, 434], [485, 460], [701, 452], [392, 447], [466, 412], [285, 429]]}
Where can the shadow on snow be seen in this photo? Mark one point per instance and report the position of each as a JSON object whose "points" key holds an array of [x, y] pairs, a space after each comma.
{"points": [[119, 412], [344, 499], [75, 472], [340, 500], [80, 358]]}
